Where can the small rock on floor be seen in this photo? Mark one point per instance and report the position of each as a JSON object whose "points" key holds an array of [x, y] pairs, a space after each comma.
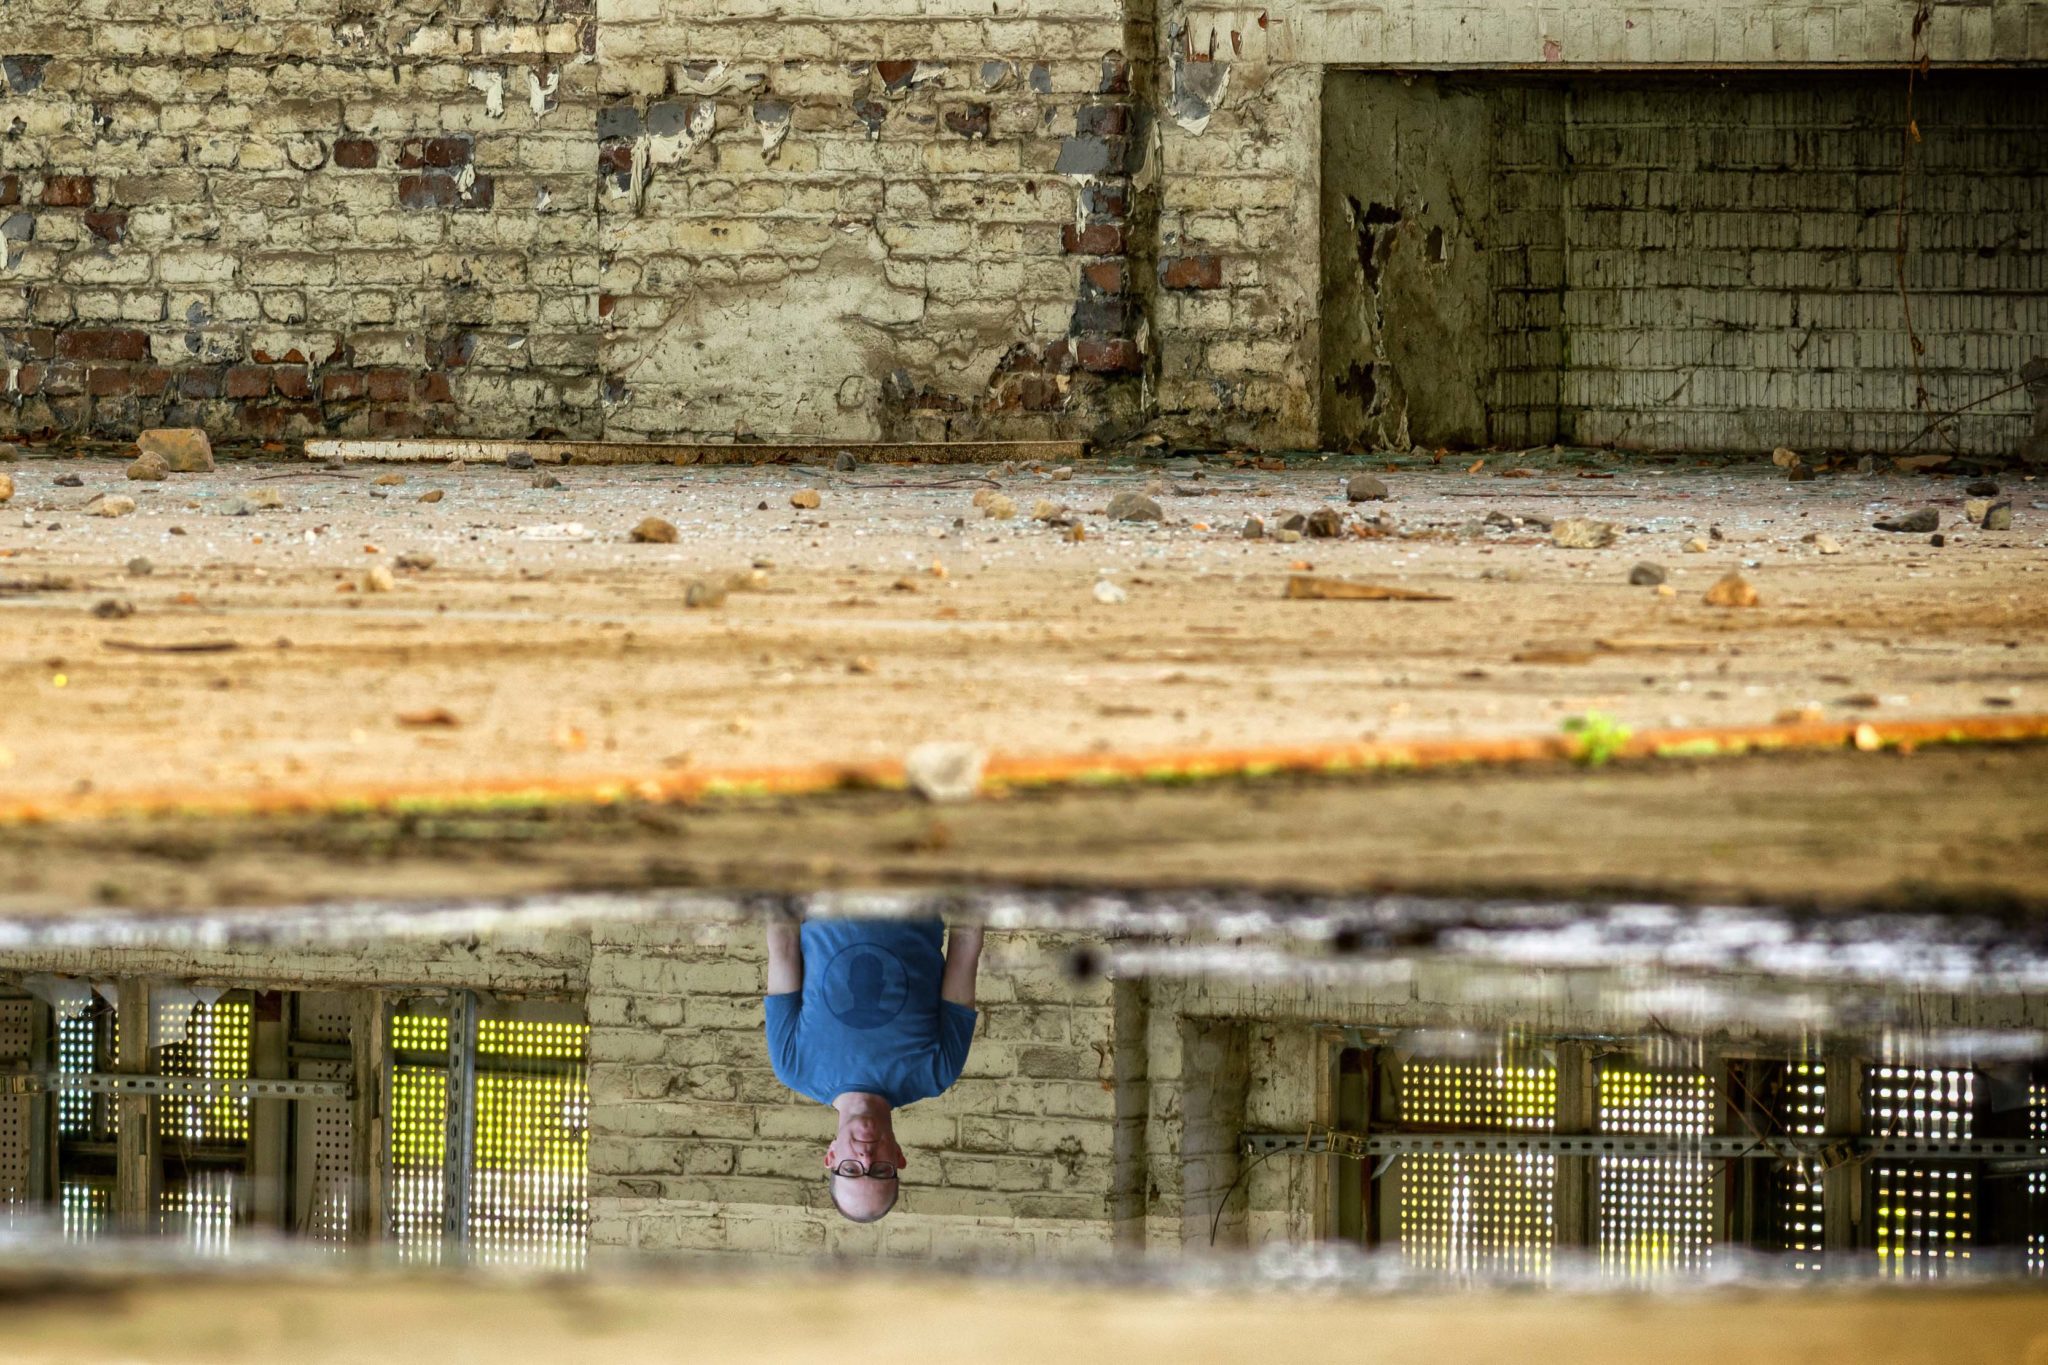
{"points": [[544, 481], [1827, 544], [6, 487], [1325, 523], [654, 531], [116, 506], [704, 592], [844, 462], [1733, 590], [945, 772], [1254, 529], [113, 609], [1646, 575], [379, 579], [149, 467], [139, 567], [1134, 507], [431, 495], [805, 498], [1364, 488], [68, 481], [1998, 517], [1581, 533], [184, 450], [1981, 488], [1912, 523], [998, 507], [519, 459], [1108, 593]]}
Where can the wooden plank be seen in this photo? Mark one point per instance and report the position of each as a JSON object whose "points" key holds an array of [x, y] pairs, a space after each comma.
{"points": [[697, 452], [138, 1160]]}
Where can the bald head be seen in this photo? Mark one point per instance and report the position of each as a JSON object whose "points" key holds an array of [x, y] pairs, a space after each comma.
{"points": [[864, 1200]]}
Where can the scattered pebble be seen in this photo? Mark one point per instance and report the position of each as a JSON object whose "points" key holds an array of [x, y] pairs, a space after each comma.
{"points": [[1581, 533], [1732, 590], [389, 480], [942, 771], [139, 567], [1646, 575], [116, 506], [998, 507], [519, 459], [1134, 507], [149, 467], [1937, 540], [184, 450], [1109, 594], [254, 501], [1982, 488], [1827, 544], [1364, 488], [805, 498], [1287, 535], [844, 462], [6, 487], [113, 609], [1697, 546], [654, 531], [547, 481], [1325, 523], [1974, 510], [379, 579], [415, 561], [704, 592], [8, 453], [1254, 529], [1913, 523], [431, 495], [1998, 517], [69, 481]]}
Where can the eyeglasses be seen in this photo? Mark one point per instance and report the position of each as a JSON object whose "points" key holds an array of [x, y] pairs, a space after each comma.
{"points": [[853, 1170]]}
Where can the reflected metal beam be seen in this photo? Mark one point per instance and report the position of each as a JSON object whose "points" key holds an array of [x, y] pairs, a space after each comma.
{"points": [[1826, 1150], [186, 1087]]}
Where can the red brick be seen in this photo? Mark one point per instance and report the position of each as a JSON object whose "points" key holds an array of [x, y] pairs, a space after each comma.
{"points": [[247, 381], [616, 159], [1106, 277], [895, 74], [10, 190], [30, 378], [68, 191], [1097, 239], [37, 342], [355, 153], [1117, 355], [102, 382], [1040, 393], [102, 344], [395, 422], [440, 153], [110, 225], [292, 381], [434, 388], [1191, 272], [343, 386], [605, 304], [390, 386], [199, 383]]}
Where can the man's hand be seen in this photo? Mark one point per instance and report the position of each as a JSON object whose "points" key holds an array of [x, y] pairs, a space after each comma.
{"points": [[963, 958], [785, 957]]}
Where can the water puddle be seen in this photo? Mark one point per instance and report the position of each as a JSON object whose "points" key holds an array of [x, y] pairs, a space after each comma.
{"points": [[1189, 1089]]}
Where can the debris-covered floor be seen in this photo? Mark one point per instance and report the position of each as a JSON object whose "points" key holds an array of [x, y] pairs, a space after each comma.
{"points": [[279, 624]]}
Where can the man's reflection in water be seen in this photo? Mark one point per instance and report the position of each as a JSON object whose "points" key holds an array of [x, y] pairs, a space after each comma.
{"points": [[868, 1016]]}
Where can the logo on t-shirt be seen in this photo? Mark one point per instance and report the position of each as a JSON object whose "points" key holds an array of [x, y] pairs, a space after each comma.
{"points": [[866, 986]]}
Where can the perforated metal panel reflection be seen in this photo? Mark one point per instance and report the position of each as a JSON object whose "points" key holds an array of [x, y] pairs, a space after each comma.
{"points": [[1656, 1212], [1925, 1214], [1483, 1213], [529, 1192], [1801, 1208], [16, 1019]]}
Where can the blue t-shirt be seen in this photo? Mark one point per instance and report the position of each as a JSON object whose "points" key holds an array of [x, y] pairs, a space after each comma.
{"points": [[869, 1017]]}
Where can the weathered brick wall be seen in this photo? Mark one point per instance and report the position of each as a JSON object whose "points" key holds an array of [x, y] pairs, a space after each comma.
{"points": [[320, 216], [697, 1148]]}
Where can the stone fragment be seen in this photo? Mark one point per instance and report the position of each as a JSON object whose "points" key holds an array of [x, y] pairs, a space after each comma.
{"points": [[431, 495], [654, 531], [1325, 523], [8, 453], [113, 609], [998, 507], [254, 501], [1287, 535], [942, 771], [1364, 488], [416, 561], [379, 579], [1937, 540], [185, 450], [1974, 510], [1801, 473], [1912, 523], [113, 507], [68, 481], [1254, 529], [389, 480], [703, 593], [1981, 488], [1732, 590], [1998, 517], [1581, 533], [805, 498], [1785, 459], [1108, 593], [844, 462], [545, 481], [139, 567], [1134, 507], [519, 459], [1696, 546], [1646, 575], [1827, 544], [6, 487], [149, 467]]}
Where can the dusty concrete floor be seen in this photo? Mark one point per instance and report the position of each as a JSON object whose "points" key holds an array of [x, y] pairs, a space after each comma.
{"points": [[567, 656], [373, 1319]]}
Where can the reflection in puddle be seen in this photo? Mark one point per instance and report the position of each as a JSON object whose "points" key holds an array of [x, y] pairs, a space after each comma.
{"points": [[1387, 1092]]}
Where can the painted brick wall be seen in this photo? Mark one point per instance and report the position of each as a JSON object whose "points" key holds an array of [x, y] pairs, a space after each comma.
{"points": [[318, 217]]}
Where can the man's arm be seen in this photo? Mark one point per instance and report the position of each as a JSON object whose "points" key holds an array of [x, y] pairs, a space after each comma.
{"points": [[963, 958], [785, 958]]}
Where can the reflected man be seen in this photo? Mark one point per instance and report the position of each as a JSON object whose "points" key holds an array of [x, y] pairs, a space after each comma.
{"points": [[867, 1016]]}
